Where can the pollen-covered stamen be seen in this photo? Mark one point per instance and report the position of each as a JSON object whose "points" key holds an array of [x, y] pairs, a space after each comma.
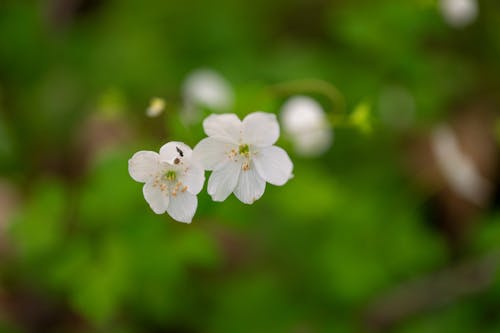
{"points": [[179, 186], [232, 154], [244, 150], [170, 175]]}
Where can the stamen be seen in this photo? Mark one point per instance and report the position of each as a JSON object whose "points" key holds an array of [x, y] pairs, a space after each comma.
{"points": [[170, 175], [244, 150]]}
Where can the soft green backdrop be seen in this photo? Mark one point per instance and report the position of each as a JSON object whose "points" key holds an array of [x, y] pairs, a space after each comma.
{"points": [[83, 252]]}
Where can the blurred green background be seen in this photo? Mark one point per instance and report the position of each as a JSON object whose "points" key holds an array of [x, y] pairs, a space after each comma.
{"points": [[368, 237]]}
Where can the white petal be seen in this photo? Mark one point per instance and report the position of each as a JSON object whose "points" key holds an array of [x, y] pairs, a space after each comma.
{"points": [[193, 178], [313, 143], [172, 150], [301, 114], [157, 199], [211, 152], [260, 129], [224, 127], [273, 165], [182, 206], [223, 180], [207, 87], [250, 186], [459, 13], [143, 165]]}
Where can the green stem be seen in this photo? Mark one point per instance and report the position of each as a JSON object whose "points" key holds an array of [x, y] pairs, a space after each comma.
{"points": [[317, 86]]}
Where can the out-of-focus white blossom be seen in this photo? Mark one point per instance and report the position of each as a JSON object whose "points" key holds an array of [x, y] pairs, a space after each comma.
{"points": [[242, 155], [458, 168], [172, 179], [205, 88], [397, 107], [459, 13], [305, 122], [156, 107]]}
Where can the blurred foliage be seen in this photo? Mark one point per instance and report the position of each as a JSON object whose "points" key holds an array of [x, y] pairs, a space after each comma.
{"points": [[75, 80]]}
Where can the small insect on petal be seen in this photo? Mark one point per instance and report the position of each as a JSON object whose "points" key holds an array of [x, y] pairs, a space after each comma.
{"points": [[156, 107]]}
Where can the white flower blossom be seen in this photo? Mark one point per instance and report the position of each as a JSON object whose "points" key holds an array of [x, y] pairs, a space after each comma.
{"points": [[205, 88], [305, 122], [242, 155], [459, 13], [459, 170], [172, 179]]}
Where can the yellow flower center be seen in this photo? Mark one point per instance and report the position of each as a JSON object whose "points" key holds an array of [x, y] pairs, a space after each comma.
{"points": [[244, 150], [170, 175]]}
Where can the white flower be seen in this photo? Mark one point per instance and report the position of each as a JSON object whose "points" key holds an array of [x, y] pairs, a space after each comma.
{"points": [[172, 179], [205, 88], [459, 170], [459, 13], [305, 122], [242, 156]]}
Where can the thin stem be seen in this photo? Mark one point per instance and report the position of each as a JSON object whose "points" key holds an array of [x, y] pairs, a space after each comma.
{"points": [[429, 292], [312, 86]]}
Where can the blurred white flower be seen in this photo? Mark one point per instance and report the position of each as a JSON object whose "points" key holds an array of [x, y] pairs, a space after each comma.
{"points": [[242, 155], [458, 168], [156, 107], [459, 13], [205, 88], [172, 179], [305, 122]]}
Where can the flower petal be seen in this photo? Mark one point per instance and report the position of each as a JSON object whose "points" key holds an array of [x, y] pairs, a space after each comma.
{"points": [[313, 143], [156, 198], [182, 206], [224, 127], [143, 165], [260, 129], [207, 87], [223, 180], [273, 165], [250, 186], [194, 178], [212, 152], [172, 150]]}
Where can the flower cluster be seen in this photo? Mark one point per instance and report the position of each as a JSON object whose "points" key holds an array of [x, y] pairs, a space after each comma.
{"points": [[240, 153]]}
